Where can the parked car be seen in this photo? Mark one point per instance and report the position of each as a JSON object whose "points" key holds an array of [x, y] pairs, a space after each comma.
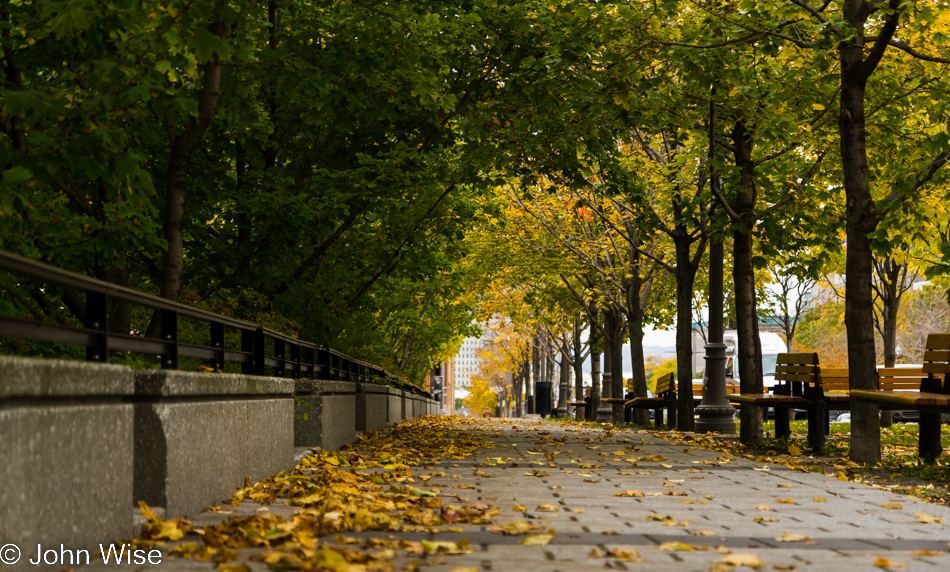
{"points": [[843, 417]]}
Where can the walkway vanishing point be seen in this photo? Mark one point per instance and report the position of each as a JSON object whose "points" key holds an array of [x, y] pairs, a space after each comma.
{"points": [[454, 494]]}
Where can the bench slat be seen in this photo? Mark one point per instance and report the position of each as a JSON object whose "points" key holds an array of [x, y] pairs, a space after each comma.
{"points": [[939, 341], [910, 398]]}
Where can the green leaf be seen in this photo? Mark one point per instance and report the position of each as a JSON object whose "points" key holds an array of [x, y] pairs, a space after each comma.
{"points": [[16, 175]]}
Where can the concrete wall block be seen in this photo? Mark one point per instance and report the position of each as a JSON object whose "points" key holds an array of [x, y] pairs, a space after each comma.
{"points": [[394, 406], [307, 413], [372, 407], [337, 414], [270, 437], [65, 453], [67, 474], [197, 457], [199, 436]]}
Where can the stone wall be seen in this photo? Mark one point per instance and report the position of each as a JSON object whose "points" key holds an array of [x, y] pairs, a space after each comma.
{"points": [[82, 443]]}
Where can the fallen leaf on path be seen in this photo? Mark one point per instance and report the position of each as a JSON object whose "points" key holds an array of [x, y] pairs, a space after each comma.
{"points": [[538, 539], [515, 528], [885, 563], [789, 537], [446, 547], [928, 553], [750, 560], [625, 554], [681, 547], [630, 493], [928, 519]]}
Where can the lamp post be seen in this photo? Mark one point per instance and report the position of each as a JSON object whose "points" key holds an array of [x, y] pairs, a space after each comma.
{"points": [[715, 412]]}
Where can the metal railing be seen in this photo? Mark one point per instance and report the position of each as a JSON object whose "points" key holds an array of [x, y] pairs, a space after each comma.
{"points": [[290, 357]]}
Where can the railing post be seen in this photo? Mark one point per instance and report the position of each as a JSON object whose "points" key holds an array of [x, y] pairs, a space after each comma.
{"points": [[97, 305], [279, 353], [247, 345], [323, 361], [259, 365], [217, 342], [169, 334], [295, 359], [308, 360]]}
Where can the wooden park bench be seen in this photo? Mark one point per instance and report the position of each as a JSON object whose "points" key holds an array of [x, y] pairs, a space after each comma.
{"points": [[932, 399], [698, 391], [580, 409], [797, 386], [664, 400]]}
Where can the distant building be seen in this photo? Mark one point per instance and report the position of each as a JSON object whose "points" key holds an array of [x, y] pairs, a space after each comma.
{"points": [[442, 385], [467, 362]]}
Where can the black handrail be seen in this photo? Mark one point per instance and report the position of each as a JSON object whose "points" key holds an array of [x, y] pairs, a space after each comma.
{"points": [[305, 359]]}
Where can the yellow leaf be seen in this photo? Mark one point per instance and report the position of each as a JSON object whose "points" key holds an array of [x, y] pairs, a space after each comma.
{"points": [[927, 519], [793, 449], [821, 499], [928, 552], [786, 501], [630, 493], [625, 554], [538, 539], [750, 560], [147, 512], [548, 508], [892, 505], [885, 563], [446, 547], [674, 546], [818, 107], [515, 528], [233, 567], [789, 537]]}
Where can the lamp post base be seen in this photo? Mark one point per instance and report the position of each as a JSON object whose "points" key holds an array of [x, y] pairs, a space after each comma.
{"points": [[715, 412], [716, 418]]}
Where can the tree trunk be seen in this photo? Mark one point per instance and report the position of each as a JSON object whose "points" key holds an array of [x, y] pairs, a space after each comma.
{"points": [[564, 388], [594, 342], [615, 326], [743, 275], [861, 221], [605, 413], [578, 361], [535, 373], [685, 278], [638, 376], [182, 147]]}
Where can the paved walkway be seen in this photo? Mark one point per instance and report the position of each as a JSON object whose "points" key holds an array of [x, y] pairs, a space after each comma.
{"points": [[681, 508]]}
